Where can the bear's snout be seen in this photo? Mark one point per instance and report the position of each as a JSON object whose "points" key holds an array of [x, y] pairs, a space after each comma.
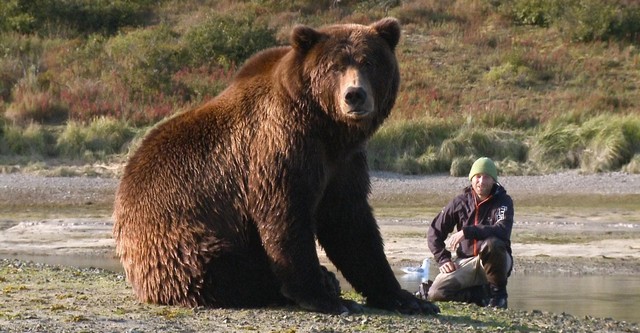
{"points": [[356, 99], [355, 96]]}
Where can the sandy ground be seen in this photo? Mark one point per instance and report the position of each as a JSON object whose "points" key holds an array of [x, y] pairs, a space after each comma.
{"points": [[403, 241]]}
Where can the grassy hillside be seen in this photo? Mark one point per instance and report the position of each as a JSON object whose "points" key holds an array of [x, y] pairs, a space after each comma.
{"points": [[539, 86]]}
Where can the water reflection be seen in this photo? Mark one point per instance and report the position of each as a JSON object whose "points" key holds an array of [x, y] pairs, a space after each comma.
{"points": [[614, 297], [110, 264]]}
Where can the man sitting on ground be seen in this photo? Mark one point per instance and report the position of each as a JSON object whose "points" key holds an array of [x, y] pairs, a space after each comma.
{"points": [[483, 217]]}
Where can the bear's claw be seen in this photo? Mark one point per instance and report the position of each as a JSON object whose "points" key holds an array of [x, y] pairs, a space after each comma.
{"points": [[406, 303]]}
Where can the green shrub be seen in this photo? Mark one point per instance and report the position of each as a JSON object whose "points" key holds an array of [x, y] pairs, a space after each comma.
{"points": [[460, 166], [634, 165], [482, 141], [588, 20], [12, 18], [608, 151], [104, 136], [30, 104], [613, 141], [10, 74], [88, 99], [430, 162], [518, 69], [405, 140], [108, 135], [25, 82], [203, 82], [305, 6], [71, 142], [227, 40], [407, 164], [514, 168], [501, 73], [20, 60], [417, 12], [33, 140], [433, 145], [146, 60], [535, 12], [557, 146], [581, 20], [451, 148], [601, 144], [76, 16]]}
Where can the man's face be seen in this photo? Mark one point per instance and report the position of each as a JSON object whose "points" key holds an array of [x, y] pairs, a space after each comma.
{"points": [[482, 185]]}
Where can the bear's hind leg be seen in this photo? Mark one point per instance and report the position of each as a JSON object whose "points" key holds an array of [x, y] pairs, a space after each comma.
{"points": [[241, 279]]}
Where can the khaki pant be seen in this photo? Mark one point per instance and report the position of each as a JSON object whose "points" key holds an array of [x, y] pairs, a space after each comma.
{"points": [[492, 266]]}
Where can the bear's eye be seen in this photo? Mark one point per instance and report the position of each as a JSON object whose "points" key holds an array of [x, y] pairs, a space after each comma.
{"points": [[336, 68], [367, 63]]}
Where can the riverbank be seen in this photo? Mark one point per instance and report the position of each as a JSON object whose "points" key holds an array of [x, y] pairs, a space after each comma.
{"points": [[566, 224], [43, 298], [570, 223]]}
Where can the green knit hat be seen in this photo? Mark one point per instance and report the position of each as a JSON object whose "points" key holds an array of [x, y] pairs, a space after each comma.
{"points": [[484, 165]]}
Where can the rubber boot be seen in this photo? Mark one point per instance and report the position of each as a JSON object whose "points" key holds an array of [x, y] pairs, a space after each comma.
{"points": [[498, 297]]}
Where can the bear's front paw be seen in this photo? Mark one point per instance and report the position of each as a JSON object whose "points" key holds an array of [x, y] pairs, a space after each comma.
{"points": [[427, 307], [353, 306], [335, 307], [406, 303], [330, 282]]}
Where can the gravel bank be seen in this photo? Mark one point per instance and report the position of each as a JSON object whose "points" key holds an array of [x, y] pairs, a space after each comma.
{"points": [[42, 298], [570, 182], [19, 187]]}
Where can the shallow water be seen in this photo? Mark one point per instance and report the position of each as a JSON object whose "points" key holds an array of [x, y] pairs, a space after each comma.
{"points": [[614, 297]]}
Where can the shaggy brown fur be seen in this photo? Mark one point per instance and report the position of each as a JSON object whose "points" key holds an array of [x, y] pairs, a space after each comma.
{"points": [[221, 206]]}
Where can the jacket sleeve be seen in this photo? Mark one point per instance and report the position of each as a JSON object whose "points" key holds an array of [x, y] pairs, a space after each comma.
{"points": [[502, 215], [441, 226]]}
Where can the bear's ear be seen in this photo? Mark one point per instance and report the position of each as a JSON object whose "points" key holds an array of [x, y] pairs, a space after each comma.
{"points": [[303, 38], [389, 30]]}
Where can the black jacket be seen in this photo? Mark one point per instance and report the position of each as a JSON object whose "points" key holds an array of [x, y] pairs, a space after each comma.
{"points": [[495, 219]]}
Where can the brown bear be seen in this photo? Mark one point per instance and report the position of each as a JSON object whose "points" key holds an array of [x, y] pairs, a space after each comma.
{"points": [[221, 206]]}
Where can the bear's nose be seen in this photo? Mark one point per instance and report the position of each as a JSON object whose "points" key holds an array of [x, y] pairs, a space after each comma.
{"points": [[355, 96]]}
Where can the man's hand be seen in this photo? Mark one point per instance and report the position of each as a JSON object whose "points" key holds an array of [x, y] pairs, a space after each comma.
{"points": [[448, 267], [455, 240]]}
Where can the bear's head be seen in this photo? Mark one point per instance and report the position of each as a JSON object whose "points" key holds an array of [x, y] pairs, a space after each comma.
{"points": [[349, 70]]}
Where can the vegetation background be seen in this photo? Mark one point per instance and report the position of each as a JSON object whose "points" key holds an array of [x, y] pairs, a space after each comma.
{"points": [[538, 85]]}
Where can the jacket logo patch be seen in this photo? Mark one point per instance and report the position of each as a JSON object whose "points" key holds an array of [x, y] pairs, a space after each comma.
{"points": [[500, 214]]}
